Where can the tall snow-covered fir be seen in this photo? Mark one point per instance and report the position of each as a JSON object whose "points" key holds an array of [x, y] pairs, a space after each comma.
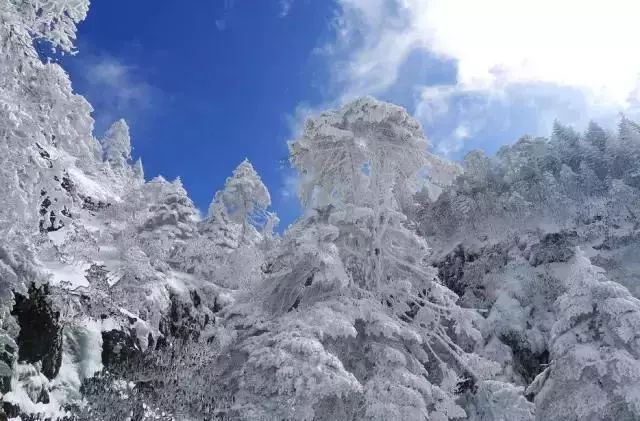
{"points": [[411, 287]]}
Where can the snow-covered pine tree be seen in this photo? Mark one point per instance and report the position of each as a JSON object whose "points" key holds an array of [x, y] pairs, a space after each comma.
{"points": [[595, 351], [235, 235], [244, 199], [138, 170], [117, 145], [168, 220], [42, 121]]}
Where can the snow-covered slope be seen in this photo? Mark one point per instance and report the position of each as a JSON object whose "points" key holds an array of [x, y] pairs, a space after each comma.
{"points": [[543, 238]]}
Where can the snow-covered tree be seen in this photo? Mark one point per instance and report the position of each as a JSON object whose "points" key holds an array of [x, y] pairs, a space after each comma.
{"points": [[52, 21], [595, 369], [535, 179], [138, 170], [350, 320], [169, 219], [348, 315], [244, 199], [596, 136], [79, 246], [358, 154], [360, 160], [44, 126], [499, 401], [117, 144], [236, 233]]}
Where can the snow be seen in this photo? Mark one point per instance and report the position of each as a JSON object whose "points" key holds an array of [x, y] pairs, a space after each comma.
{"points": [[293, 305], [58, 237], [141, 327], [81, 359], [109, 324], [73, 273], [178, 281], [142, 333], [127, 313], [26, 379], [92, 188], [110, 257]]}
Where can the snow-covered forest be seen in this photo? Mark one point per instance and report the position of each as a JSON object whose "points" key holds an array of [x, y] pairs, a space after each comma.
{"points": [[501, 288]]}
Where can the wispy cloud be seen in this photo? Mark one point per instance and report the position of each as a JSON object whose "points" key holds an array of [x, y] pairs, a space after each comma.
{"points": [[115, 89], [290, 185], [285, 7], [221, 24], [518, 64], [295, 121], [223, 21]]}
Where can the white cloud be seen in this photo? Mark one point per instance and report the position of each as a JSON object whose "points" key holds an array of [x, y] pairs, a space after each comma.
{"points": [[585, 43], [290, 186], [221, 24], [295, 121], [108, 72], [373, 38], [525, 53], [116, 90], [285, 7]]}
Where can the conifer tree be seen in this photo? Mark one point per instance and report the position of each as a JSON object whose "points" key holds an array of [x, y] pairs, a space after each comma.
{"points": [[595, 368], [117, 145]]}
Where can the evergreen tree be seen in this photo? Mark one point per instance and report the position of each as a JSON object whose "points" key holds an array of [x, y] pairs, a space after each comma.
{"points": [[595, 368], [243, 200], [138, 170], [169, 220], [117, 145]]}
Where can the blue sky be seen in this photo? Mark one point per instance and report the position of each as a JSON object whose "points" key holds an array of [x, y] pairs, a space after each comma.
{"points": [[207, 85], [202, 87]]}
